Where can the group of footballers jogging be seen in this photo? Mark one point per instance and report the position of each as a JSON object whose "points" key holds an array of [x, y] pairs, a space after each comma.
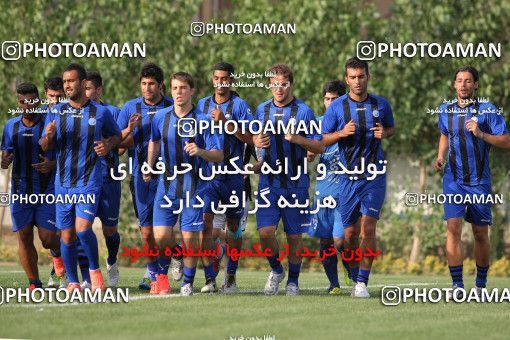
{"points": [[72, 147]]}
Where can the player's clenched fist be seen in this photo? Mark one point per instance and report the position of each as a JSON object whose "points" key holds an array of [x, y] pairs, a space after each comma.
{"points": [[51, 129], [438, 164], [192, 149], [349, 129]]}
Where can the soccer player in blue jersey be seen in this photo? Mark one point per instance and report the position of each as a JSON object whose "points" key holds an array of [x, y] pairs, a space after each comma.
{"points": [[33, 172], [283, 106], [468, 130], [225, 105], [109, 204], [54, 93], [357, 121], [177, 149], [78, 132], [135, 118], [327, 223]]}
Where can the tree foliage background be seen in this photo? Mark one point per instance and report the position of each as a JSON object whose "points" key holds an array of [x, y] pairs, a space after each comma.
{"points": [[327, 33]]}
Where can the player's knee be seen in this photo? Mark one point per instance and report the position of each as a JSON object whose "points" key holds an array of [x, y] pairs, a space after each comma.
{"points": [[481, 234], [109, 231], [208, 221], [338, 242], [266, 232]]}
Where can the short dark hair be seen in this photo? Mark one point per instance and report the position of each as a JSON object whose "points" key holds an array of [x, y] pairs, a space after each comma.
{"points": [[54, 83], [151, 70], [467, 68], [355, 62], [282, 70], [223, 66], [183, 76], [95, 78], [82, 73], [27, 88], [334, 86]]}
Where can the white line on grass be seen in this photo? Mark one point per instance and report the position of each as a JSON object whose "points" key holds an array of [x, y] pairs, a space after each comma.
{"points": [[170, 296]]}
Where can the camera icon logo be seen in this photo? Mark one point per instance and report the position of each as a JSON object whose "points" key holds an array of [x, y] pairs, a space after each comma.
{"points": [[187, 128], [390, 295], [11, 50], [411, 199], [197, 29], [5, 199], [366, 50]]}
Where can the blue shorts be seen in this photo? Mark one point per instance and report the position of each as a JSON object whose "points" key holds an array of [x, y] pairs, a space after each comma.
{"points": [[41, 215], [327, 223], [144, 198], [361, 197], [476, 213], [67, 212], [294, 222], [191, 219], [221, 191], [109, 203]]}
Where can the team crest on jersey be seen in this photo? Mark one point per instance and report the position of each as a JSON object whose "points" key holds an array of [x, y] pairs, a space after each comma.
{"points": [[375, 113], [92, 121]]}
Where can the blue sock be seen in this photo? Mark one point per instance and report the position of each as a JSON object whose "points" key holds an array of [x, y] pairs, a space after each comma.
{"points": [[294, 269], [88, 241], [276, 266], [153, 268], [70, 260], [163, 265], [481, 276], [353, 273], [363, 275], [83, 262], [209, 271], [112, 243], [232, 266], [36, 282], [189, 275], [456, 273], [177, 250], [330, 264], [55, 253]]}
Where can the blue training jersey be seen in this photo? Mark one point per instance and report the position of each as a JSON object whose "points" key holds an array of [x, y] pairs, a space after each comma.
{"points": [[330, 158], [280, 148], [23, 142], [468, 156], [77, 130], [234, 109], [165, 128], [111, 160], [366, 115], [142, 133]]}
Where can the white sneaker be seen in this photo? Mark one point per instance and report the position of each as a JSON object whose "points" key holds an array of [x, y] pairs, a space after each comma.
{"points": [[456, 290], [210, 287], [113, 274], [353, 289], [292, 289], [177, 268], [230, 286], [187, 290], [85, 285], [273, 282], [361, 291]]}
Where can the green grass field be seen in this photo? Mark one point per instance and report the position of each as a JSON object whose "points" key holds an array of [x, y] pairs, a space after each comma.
{"points": [[313, 315]]}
